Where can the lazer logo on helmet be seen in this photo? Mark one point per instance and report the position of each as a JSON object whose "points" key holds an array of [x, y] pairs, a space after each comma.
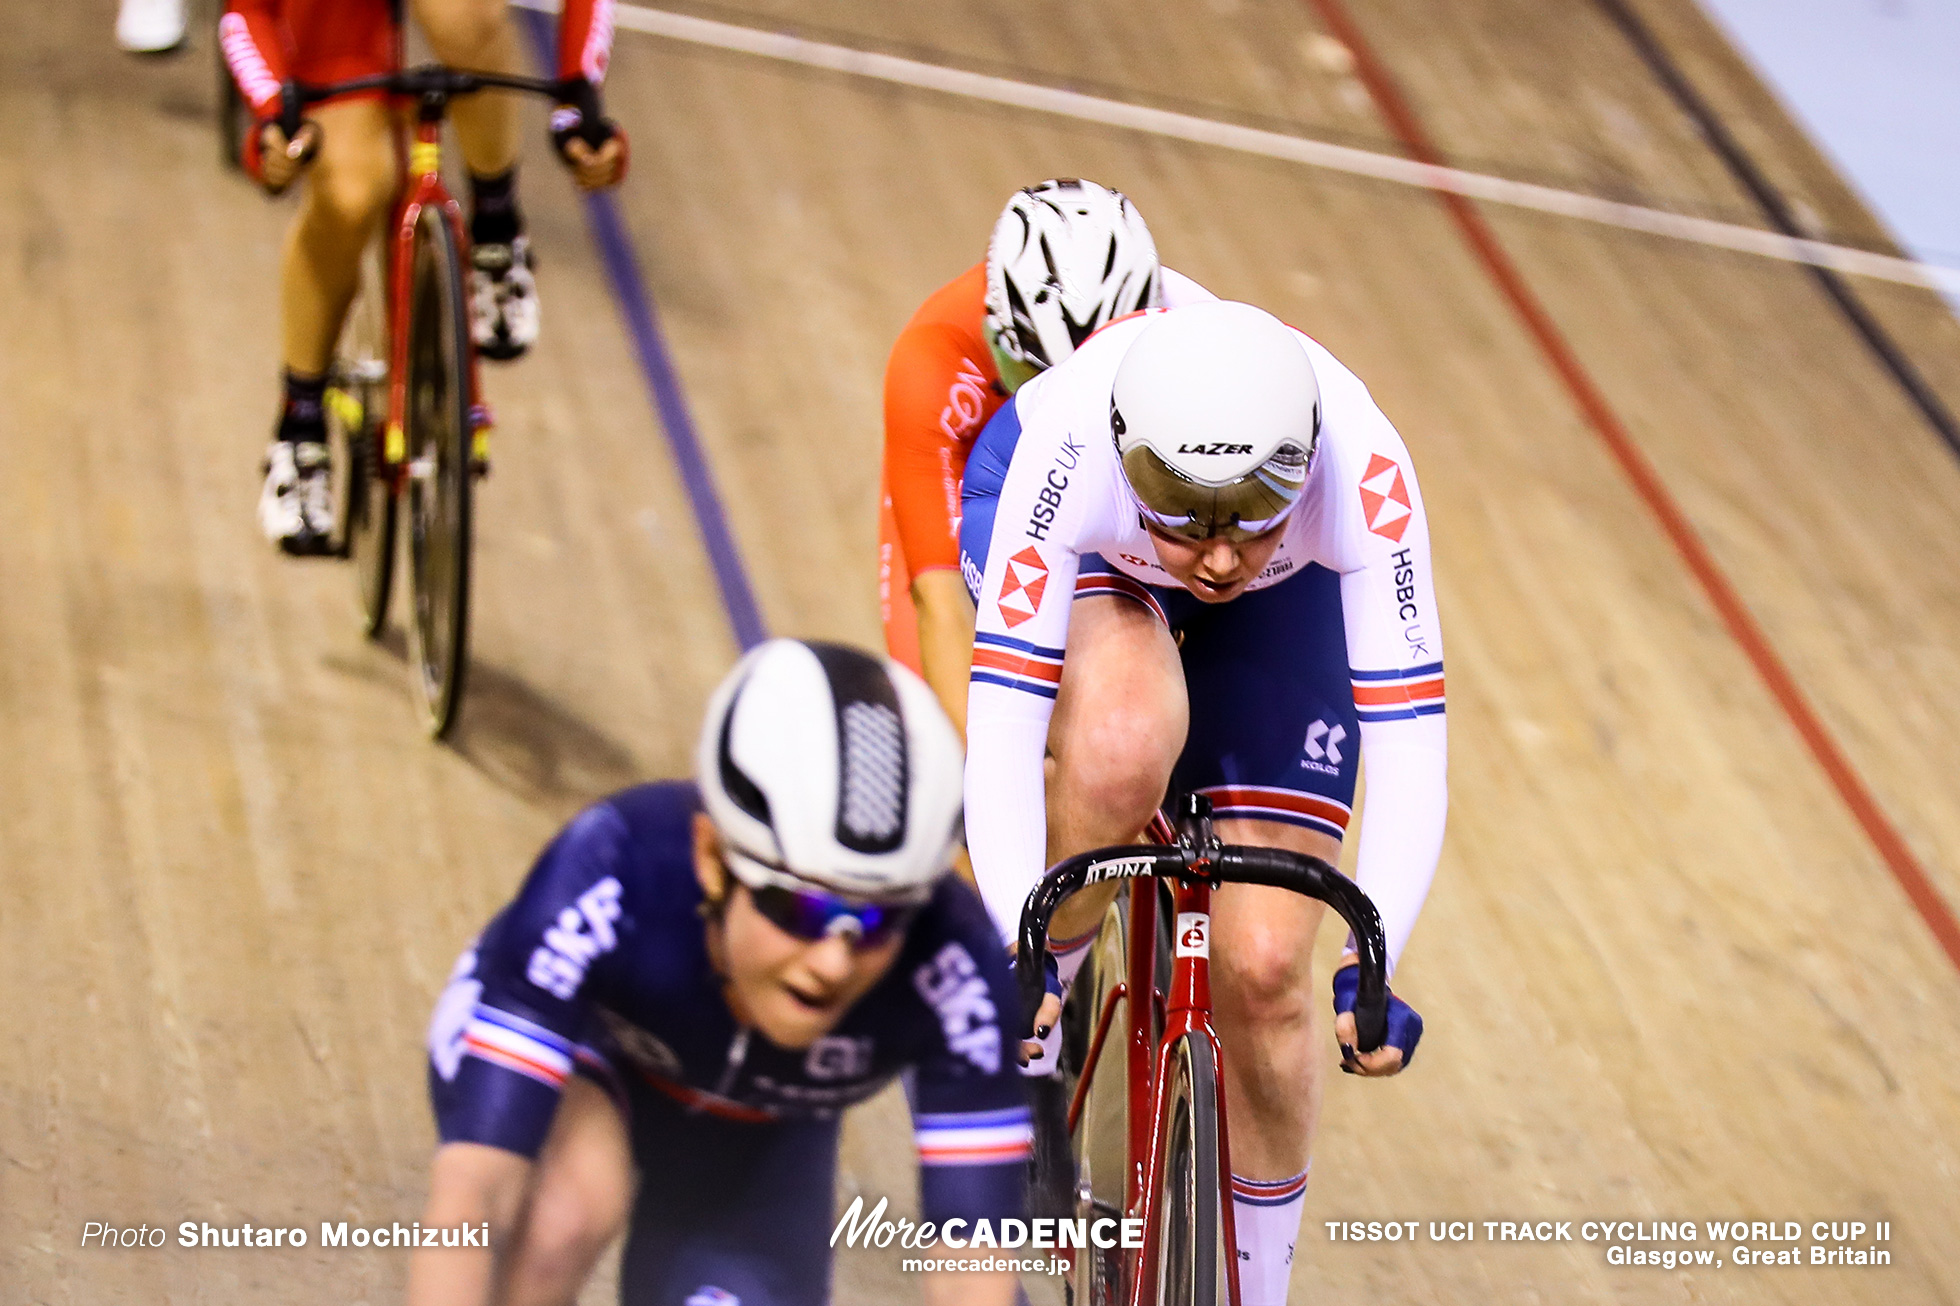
{"points": [[581, 935], [1215, 448]]}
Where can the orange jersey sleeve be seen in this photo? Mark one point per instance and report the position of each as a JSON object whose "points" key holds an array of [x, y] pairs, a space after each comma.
{"points": [[941, 386]]}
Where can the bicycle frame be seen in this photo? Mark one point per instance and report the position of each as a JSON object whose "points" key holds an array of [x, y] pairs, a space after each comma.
{"points": [[1186, 1010], [1195, 863], [422, 187]]}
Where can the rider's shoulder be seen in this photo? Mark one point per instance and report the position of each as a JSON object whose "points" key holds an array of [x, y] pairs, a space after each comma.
{"points": [[952, 312], [638, 832], [1077, 388], [1180, 290], [1350, 418]]}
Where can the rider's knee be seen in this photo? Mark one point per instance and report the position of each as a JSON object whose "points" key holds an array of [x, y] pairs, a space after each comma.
{"points": [[462, 32], [1122, 763], [354, 191], [1262, 977], [1116, 787]]}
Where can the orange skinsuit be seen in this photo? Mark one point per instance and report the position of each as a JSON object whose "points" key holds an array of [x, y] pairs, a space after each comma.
{"points": [[941, 387]]}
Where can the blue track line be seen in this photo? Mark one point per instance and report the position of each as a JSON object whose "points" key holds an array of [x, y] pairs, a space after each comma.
{"points": [[622, 265]]}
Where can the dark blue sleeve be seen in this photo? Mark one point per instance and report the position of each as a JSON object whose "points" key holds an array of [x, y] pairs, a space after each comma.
{"points": [[986, 470], [971, 1113], [509, 1030]]}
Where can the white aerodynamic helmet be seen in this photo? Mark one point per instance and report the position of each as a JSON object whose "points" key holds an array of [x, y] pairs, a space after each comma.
{"points": [[824, 766], [1066, 257], [1215, 412]]}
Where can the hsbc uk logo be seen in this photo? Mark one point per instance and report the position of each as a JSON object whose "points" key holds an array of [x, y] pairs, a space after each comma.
{"points": [[1021, 588], [1323, 748], [1385, 498]]}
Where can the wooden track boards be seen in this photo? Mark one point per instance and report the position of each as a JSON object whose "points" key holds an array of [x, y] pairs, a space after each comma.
{"points": [[1666, 975]]}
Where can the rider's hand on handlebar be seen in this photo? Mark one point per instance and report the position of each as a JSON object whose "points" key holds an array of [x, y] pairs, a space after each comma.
{"points": [[593, 146], [282, 160], [1047, 1013], [596, 169], [1397, 1049]]}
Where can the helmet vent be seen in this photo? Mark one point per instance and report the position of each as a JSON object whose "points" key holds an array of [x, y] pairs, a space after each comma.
{"points": [[741, 790], [871, 762], [872, 804]]}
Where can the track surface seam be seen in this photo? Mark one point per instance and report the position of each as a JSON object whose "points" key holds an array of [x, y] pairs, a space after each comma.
{"points": [[1274, 145], [1728, 604], [622, 264], [1777, 210]]}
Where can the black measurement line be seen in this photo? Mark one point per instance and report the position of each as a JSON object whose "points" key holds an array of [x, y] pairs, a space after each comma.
{"points": [[1779, 213]]}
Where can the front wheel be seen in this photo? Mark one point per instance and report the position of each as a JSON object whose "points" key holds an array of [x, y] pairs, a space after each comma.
{"points": [[1101, 1134], [1193, 1265], [437, 496]]}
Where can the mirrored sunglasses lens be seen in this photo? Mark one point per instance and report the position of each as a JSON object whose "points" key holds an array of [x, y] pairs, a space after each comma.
{"points": [[815, 916], [800, 914]]}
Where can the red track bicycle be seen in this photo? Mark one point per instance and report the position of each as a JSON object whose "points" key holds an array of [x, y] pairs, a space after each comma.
{"points": [[1152, 1144], [405, 417]]}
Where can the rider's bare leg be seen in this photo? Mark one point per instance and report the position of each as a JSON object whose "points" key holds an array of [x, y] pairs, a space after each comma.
{"points": [[478, 35], [1120, 720], [1269, 1018], [348, 190]]}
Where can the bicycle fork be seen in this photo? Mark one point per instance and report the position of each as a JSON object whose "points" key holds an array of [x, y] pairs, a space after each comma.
{"points": [[425, 188], [1187, 1010]]}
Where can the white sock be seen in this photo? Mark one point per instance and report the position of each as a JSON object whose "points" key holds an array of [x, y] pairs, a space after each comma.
{"points": [[1069, 956], [1266, 1216]]}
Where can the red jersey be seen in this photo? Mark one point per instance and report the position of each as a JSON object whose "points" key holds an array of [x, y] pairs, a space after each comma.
{"points": [[321, 41], [941, 387]]}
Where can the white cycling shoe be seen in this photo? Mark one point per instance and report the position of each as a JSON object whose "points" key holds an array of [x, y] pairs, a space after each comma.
{"points": [[296, 505], [503, 299], [150, 26]]}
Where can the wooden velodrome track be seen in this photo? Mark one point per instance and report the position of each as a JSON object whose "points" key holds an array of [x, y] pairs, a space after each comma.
{"points": [[1667, 973]]}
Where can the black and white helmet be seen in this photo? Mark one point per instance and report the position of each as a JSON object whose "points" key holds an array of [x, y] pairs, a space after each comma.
{"points": [[824, 766], [1066, 257]]}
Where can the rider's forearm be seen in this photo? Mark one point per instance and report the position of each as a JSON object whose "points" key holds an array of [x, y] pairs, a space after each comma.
{"points": [[1402, 819], [969, 1288], [1006, 800], [469, 1185], [945, 637]]}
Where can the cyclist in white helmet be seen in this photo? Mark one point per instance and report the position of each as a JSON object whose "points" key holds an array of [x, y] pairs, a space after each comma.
{"points": [[694, 982], [1066, 258], [1203, 567]]}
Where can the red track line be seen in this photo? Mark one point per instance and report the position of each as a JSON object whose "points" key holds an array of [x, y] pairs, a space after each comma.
{"points": [[1898, 858]]}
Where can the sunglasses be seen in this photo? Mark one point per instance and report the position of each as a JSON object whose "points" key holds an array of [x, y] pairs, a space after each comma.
{"points": [[814, 916], [1245, 509]]}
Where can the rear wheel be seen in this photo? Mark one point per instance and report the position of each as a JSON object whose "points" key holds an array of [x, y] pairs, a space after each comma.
{"points": [[1192, 1265], [357, 413], [437, 491]]}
